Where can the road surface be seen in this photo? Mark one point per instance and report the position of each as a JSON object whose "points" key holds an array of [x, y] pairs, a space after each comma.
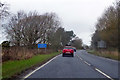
{"points": [[82, 65]]}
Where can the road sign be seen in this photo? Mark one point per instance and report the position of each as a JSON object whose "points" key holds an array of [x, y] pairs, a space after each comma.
{"points": [[42, 45], [101, 44]]}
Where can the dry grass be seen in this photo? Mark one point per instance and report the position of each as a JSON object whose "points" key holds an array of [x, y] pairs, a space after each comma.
{"points": [[19, 53], [12, 68], [115, 53], [107, 54]]}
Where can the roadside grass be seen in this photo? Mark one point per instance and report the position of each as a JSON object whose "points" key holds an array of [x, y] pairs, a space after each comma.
{"points": [[11, 68], [106, 54], [0, 71]]}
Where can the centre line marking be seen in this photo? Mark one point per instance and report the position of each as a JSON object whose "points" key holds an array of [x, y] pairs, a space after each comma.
{"points": [[97, 69], [87, 63], [79, 57]]}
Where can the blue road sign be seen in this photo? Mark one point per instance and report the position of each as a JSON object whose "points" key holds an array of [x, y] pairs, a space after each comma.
{"points": [[42, 45]]}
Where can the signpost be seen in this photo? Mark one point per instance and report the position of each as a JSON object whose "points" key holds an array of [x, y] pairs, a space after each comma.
{"points": [[42, 46], [101, 44]]}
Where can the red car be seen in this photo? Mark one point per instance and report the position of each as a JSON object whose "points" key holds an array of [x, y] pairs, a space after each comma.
{"points": [[68, 51]]}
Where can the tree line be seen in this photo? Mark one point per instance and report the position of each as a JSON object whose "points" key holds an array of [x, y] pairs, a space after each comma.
{"points": [[107, 28], [32, 28], [4, 10], [26, 30]]}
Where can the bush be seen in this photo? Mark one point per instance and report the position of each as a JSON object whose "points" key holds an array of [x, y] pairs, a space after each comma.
{"points": [[16, 53], [106, 53], [19, 53], [6, 44]]}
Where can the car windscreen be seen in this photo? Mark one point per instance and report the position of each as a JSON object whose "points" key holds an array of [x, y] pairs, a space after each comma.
{"points": [[68, 48]]}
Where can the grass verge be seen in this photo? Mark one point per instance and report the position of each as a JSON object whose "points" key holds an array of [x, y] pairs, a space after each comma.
{"points": [[11, 68], [106, 54]]}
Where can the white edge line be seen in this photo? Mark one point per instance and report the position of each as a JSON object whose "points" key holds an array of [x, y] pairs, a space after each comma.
{"points": [[104, 74], [40, 67], [97, 69]]}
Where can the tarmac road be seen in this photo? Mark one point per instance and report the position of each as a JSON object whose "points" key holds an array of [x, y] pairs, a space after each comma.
{"points": [[82, 65]]}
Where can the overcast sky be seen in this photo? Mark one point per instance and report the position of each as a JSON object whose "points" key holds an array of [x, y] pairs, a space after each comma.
{"points": [[77, 15]]}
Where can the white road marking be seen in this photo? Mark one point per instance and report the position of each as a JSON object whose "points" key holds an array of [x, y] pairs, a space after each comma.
{"points": [[103, 74], [97, 69], [87, 63], [84, 61], [40, 67], [79, 57]]}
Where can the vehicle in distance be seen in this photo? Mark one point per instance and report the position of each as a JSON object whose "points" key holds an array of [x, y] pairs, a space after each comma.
{"points": [[74, 49], [68, 50]]}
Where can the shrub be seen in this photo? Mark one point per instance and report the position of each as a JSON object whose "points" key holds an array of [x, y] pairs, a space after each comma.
{"points": [[19, 53]]}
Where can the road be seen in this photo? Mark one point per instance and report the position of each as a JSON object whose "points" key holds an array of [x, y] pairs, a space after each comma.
{"points": [[82, 65]]}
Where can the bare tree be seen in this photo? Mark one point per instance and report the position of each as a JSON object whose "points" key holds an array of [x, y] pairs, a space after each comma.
{"points": [[60, 38], [4, 10], [29, 29], [107, 27], [77, 42]]}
